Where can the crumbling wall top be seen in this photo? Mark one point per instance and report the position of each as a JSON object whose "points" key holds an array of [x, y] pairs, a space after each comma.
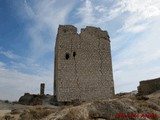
{"points": [[150, 81], [67, 29], [95, 31]]}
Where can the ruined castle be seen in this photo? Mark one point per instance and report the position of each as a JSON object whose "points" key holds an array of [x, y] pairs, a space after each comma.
{"points": [[149, 86], [83, 66]]}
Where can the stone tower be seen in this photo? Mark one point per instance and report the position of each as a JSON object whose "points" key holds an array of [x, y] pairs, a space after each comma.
{"points": [[83, 68], [42, 88]]}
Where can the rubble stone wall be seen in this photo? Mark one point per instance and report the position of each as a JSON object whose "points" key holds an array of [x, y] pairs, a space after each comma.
{"points": [[149, 86], [83, 67]]}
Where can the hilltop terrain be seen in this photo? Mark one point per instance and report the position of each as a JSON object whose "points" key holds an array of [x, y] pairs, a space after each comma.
{"points": [[124, 106]]}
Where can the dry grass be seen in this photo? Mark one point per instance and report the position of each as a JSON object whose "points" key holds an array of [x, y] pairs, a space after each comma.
{"points": [[98, 110], [36, 113]]}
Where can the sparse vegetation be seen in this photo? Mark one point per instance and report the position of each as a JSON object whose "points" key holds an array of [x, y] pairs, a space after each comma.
{"points": [[141, 97], [98, 110]]}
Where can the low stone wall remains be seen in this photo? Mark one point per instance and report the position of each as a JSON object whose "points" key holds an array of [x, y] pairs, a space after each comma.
{"points": [[149, 86]]}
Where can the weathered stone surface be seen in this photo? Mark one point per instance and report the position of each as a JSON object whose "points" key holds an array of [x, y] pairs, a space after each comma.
{"points": [[26, 99], [30, 99], [42, 88], [83, 68], [149, 86]]}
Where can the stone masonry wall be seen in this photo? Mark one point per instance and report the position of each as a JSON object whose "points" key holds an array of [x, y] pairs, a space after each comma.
{"points": [[83, 68], [42, 88], [149, 86]]}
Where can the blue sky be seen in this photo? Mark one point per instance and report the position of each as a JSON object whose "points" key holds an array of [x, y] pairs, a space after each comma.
{"points": [[28, 31]]}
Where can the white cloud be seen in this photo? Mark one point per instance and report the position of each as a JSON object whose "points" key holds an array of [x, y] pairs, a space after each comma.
{"points": [[141, 13], [146, 8], [100, 9], [87, 13], [137, 14], [29, 9], [9, 54]]}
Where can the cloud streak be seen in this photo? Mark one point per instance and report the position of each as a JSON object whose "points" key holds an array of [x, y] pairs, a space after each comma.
{"points": [[137, 14], [9, 54]]}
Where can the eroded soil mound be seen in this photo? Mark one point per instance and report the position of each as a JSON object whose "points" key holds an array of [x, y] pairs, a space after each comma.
{"points": [[122, 107]]}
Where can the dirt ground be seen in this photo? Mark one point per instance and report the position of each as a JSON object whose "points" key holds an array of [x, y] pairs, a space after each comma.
{"points": [[126, 103]]}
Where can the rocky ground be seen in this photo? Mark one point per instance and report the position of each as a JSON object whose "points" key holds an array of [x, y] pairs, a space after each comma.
{"points": [[124, 106]]}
